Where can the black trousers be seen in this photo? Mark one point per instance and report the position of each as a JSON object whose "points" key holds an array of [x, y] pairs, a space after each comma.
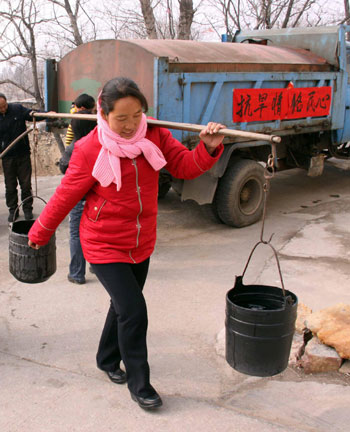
{"points": [[124, 333], [18, 170]]}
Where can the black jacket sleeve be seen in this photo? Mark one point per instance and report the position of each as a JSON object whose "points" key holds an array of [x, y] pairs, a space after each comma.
{"points": [[26, 113]]}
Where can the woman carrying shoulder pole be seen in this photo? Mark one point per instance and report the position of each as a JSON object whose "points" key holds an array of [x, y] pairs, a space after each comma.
{"points": [[117, 168]]}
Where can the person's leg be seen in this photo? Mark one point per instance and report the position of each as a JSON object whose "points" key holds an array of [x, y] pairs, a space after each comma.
{"points": [[77, 263], [24, 170], [10, 175], [108, 354], [124, 333]]}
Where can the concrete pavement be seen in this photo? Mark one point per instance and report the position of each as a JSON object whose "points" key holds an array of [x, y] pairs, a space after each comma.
{"points": [[49, 332]]}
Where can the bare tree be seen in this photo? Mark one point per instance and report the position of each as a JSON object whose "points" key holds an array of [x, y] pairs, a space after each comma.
{"points": [[281, 13], [73, 24], [227, 12], [185, 19], [125, 19], [347, 12], [148, 16], [169, 27], [73, 18], [19, 23], [170, 13], [117, 21], [265, 14], [347, 16]]}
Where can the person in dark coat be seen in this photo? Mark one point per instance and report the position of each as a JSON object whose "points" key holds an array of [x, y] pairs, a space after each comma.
{"points": [[16, 162]]}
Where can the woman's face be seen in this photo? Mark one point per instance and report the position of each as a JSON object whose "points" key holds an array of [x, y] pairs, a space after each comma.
{"points": [[125, 117]]}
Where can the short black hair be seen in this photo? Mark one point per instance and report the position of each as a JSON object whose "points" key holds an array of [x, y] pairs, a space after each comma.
{"points": [[84, 100], [2, 96], [118, 88]]}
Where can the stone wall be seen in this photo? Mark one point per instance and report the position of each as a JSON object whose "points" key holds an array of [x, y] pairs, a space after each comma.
{"points": [[48, 154]]}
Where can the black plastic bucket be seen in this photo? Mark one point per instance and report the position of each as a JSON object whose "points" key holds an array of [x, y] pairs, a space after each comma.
{"points": [[260, 323], [26, 264]]}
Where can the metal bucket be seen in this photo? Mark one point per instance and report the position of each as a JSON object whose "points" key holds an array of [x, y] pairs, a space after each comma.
{"points": [[26, 264], [260, 323]]}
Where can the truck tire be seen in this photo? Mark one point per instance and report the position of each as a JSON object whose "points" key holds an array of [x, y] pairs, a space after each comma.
{"points": [[210, 212], [164, 183], [163, 189], [239, 196]]}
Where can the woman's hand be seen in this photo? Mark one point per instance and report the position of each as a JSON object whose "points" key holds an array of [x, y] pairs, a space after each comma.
{"points": [[210, 137], [33, 245]]}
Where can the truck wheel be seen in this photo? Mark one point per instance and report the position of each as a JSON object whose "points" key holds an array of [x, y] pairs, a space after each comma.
{"points": [[210, 212], [164, 183], [163, 189], [240, 193]]}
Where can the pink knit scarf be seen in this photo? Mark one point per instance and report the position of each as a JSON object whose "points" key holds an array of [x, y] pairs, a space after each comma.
{"points": [[107, 166]]}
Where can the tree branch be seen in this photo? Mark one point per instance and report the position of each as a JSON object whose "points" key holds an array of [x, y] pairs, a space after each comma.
{"points": [[21, 87]]}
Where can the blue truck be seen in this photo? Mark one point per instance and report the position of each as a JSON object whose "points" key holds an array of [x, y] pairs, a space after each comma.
{"points": [[287, 82]]}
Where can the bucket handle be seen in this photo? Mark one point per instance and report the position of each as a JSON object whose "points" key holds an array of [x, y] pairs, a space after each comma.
{"points": [[277, 261], [22, 202]]}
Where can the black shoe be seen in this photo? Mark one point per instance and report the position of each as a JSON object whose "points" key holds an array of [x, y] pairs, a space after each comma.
{"points": [[91, 270], [118, 376], [76, 281], [149, 402], [12, 216], [28, 215]]}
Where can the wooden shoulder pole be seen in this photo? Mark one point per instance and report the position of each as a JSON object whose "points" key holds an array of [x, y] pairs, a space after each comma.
{"points": [[175, 125]]}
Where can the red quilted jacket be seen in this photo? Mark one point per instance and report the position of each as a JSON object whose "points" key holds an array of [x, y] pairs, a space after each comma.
{"points": [[118, 226]]}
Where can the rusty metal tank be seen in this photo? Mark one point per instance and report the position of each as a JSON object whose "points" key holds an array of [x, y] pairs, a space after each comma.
{"points": [[89, 66]]}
